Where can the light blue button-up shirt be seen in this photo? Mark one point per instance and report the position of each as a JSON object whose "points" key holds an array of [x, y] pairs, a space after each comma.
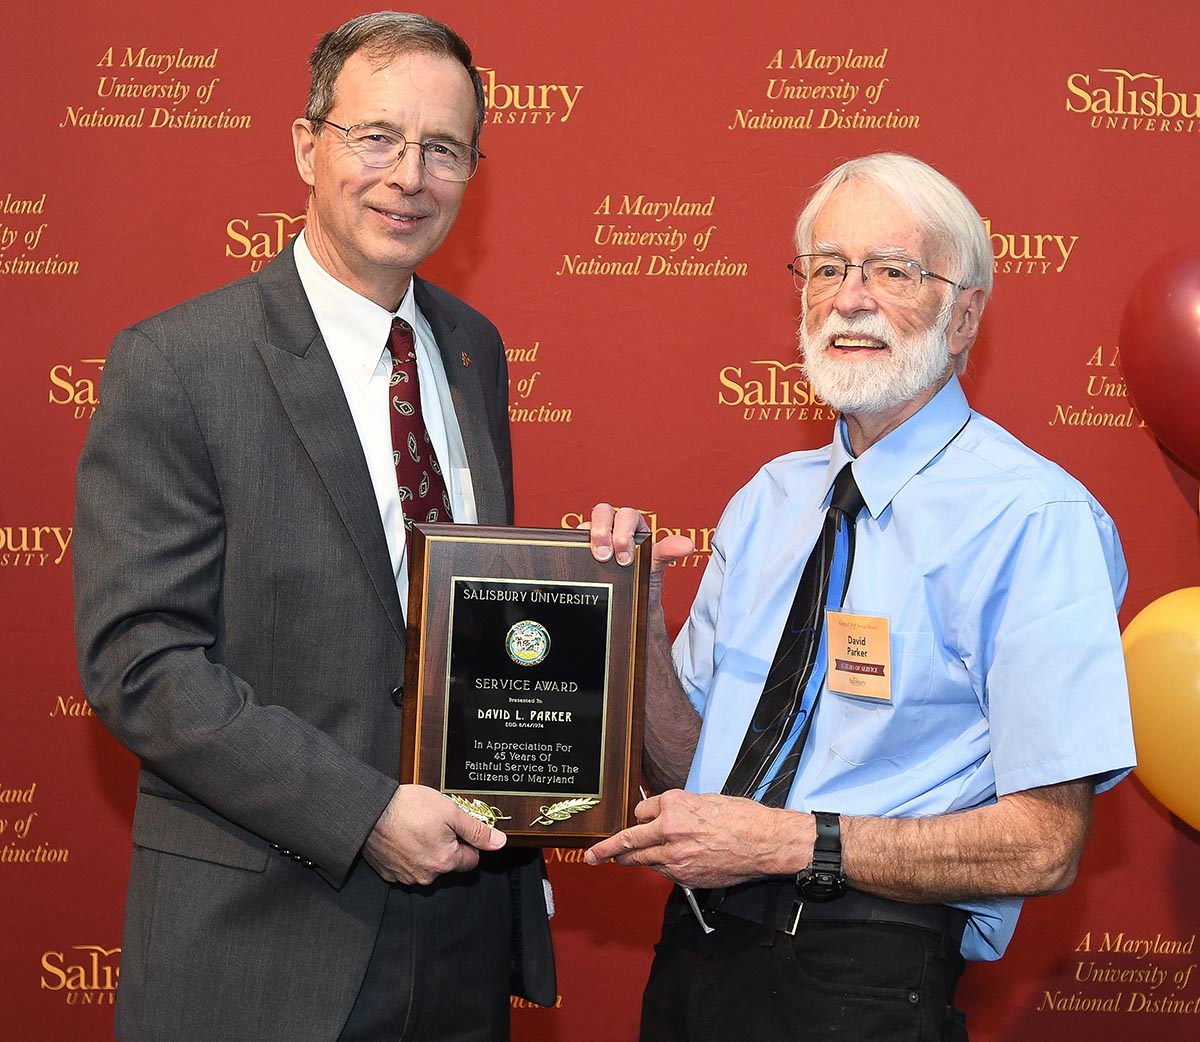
{"points": [[1000, 577]]}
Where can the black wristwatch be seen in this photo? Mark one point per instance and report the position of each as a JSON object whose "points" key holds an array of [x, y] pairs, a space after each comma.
{"points": [[824, 879]]}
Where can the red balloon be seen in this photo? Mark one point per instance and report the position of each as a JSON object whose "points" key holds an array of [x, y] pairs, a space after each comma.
{"points": [[1160, 351]]}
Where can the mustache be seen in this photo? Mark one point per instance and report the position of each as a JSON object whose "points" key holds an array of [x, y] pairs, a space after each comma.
{"points": [[874, 326]]}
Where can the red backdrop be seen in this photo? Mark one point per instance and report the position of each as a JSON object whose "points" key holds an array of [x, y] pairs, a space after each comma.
{"points": [[628, 233]]}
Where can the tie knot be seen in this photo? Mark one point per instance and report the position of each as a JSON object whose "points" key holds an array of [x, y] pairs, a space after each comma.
{"points": [[400, 341], [846, 497]]}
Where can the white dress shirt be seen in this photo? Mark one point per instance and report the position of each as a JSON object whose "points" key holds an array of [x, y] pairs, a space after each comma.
{"points": [[356, 332]]}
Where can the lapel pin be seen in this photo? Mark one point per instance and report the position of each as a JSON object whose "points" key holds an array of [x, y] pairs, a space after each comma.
{"points": [[466, 359]]}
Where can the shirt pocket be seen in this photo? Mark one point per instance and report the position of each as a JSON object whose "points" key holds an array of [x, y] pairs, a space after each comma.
{"points": [[872, 730]]}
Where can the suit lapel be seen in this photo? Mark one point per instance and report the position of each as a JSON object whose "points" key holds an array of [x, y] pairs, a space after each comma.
{"points": [[463, 378], [307, 383]]}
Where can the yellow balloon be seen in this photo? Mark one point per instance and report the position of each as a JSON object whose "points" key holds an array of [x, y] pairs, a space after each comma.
{"points": [[1162, 657]]}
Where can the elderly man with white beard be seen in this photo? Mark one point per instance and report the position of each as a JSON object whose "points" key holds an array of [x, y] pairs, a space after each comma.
{"points": [[901, 682]]}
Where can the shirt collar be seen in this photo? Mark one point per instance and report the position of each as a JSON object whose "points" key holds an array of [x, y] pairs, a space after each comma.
{"points": [[888, 465], [351, 318]]}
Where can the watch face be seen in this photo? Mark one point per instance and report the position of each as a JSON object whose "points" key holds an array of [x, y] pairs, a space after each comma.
{"points": [[820, 885]]}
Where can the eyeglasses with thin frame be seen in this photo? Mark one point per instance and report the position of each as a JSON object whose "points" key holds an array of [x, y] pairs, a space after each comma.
{"points": [[380, 147], [890, 278]]}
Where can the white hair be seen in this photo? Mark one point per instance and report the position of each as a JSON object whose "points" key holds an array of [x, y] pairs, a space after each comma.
{"points": [[935, 202]]}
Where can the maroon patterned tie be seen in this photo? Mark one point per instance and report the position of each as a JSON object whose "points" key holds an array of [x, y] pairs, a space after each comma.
{"points": [[423, 494]]}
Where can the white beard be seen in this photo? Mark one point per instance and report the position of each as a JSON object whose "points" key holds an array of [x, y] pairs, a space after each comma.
{"points": [[886, 380]]}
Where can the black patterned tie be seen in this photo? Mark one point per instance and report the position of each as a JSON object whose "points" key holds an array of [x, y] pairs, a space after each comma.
{"points": [[423, 494], [783, 715]]}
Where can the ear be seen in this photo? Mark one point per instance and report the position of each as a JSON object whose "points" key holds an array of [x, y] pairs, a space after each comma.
{"points": [[964, 326], [304, 142]]}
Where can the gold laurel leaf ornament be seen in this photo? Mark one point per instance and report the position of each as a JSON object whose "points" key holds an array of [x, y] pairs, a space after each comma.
{"points": [[479, 810], [564, 809]]}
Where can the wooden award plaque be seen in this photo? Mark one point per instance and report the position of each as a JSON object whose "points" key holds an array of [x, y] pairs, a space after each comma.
{"points": [[524, 679]]}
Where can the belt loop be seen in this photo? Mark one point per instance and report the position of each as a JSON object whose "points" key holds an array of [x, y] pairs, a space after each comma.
{"points": [[947, 942], [770, 904], [952, 934]]}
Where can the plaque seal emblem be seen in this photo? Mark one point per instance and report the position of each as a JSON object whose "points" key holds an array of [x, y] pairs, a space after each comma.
{"points": [[527, 642]]}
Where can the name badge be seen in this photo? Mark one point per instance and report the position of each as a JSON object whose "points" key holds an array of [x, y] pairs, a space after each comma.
{"points": [[860, 655]]}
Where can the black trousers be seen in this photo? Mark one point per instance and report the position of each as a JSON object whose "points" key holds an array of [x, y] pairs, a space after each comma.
{"points": [[832, 980], [441, 966]]}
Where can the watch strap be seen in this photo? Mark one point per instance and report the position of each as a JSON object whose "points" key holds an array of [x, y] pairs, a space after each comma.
{"points": [[827, 848]]}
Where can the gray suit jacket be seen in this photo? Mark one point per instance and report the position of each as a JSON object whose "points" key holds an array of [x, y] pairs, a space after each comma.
{"points": [[238, 628]]}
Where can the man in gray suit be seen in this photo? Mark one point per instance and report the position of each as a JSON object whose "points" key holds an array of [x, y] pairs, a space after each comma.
{"points": [[240, 574]]}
